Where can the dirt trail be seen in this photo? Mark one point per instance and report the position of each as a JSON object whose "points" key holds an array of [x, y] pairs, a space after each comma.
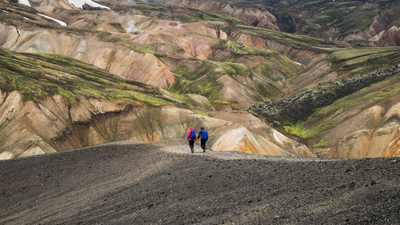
{"points": [[181, 146], [163, 183]]}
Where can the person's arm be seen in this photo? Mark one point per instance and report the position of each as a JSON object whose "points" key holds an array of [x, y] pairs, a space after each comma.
{"points": [[188, 136], [199, 136]]}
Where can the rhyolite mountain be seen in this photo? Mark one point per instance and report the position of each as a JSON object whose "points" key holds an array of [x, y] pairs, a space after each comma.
{"points": [[359, 23], [322, 83]]}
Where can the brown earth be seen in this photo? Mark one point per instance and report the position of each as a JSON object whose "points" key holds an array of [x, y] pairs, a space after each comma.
{"points": [[131, 183]]}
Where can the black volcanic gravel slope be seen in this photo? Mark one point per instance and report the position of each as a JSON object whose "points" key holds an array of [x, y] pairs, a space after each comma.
{"points": [[141, 184]]}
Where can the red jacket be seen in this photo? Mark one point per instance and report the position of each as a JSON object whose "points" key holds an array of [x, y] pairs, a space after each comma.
{"points": [[189, 139]]}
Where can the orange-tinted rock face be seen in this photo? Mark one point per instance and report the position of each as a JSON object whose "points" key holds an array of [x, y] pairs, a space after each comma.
{"points": [[55, 125], [261, 130], [252, 41], [373, 133], [242, 140], [145, 69], [394, 148]]}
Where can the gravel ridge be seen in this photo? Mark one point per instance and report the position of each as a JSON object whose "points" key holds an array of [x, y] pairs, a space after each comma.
{"points": [[163, 183]]}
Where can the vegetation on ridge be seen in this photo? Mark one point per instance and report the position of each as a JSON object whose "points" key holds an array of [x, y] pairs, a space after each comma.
{"points": [[299, 107], [174, 13], [294, 40], [326, 118], [355, 61], [345, 17], [42, 75]]}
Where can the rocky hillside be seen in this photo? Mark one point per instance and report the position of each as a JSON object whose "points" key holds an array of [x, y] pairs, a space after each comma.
{"points": [[331, 115], [355, 117], [167, 54], [255, 18], [201, 62], [359, 23], [300, 106], [54, 103]]}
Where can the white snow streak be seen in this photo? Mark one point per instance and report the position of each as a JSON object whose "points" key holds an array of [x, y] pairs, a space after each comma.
{"points": [[80, 3], [58, 21], [5, 11], [24, 2]]}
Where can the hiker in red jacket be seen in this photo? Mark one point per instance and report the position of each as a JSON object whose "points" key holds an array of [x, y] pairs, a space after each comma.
{"points": [[191, 137]]}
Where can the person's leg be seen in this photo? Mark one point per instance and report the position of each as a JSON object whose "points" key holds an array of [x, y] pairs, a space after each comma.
{"points": [[203, 145], [191, 145]]}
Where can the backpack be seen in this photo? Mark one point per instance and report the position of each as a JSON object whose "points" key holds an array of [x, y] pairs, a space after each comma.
{"points": [[204, 135], [192, 134]]}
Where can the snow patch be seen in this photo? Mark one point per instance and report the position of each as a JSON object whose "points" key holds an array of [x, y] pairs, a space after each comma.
{"points": [[58, 21], [5, 11], [80, 3], [297, 63], [24, 2]]}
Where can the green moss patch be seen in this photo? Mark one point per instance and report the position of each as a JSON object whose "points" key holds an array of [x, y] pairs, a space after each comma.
{"points": [[294, 40], [203, 80], [37, 76], [328, 117], [268, 90], [286, 66], [208, 114], [364, 60], [242, 49]]}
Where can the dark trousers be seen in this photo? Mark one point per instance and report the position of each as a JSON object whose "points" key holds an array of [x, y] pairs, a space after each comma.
{"points": [[203, 144], [191, 144]]}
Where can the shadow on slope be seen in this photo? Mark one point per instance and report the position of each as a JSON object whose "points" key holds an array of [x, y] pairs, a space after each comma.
{"points": [[141, 183]]}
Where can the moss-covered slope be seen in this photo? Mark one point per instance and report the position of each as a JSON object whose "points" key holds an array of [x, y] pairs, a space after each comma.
{"points": [[300, 106], [38, 76]]}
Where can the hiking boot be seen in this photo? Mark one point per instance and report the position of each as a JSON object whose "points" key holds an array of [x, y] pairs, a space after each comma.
{"points": [[192, 150], [204, 150]]}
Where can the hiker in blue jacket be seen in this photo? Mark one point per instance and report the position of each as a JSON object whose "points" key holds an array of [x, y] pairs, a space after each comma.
{"points": [[203, 135]]}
